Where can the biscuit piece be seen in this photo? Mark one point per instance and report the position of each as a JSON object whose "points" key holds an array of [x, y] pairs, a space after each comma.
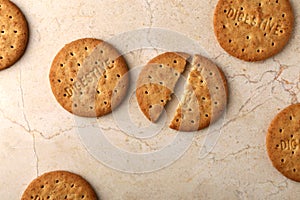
{"points": [[13, 34], [58, 185], [157, 81], [89, 77], [253, 30], [204, 99], [283, 142]]}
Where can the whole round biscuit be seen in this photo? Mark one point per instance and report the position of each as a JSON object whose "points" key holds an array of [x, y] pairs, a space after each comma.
{"points": [[253, 30], [58, 185], [89, 77], [13, 34], [204, 99], [283, 142]]}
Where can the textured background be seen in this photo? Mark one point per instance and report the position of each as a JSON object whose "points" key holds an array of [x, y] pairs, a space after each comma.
{"points": [[37, 135]]}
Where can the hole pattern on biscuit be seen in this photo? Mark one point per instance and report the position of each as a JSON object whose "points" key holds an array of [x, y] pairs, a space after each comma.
{"points": [[293, 152], [71, 53], [175, 61], [85, 48], [291, 117], [294, 170], [150, 106], [15, 31], [59, 80], [146, 92], [206, 115], [282, 160], [283, 15], [280, 130], [105, 103], [192, 121], [118, 75]]}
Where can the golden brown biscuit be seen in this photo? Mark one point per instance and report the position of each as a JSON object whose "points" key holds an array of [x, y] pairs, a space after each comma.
{"points": [[156, 82], [89, 77], [283, 142], [13, 34], [205, 97], [59, 185], [253, 30]]}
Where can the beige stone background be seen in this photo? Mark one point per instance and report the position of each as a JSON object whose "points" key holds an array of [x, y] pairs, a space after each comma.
{"points": [[37, 135]]}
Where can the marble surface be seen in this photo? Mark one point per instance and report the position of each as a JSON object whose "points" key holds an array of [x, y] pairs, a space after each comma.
{"points": [[37, 135]]}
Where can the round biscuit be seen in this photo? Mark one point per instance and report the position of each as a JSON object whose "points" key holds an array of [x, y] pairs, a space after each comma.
{"points": [[89, 77], [283, 142], [59, 185], [13, 34], [253, 30]]}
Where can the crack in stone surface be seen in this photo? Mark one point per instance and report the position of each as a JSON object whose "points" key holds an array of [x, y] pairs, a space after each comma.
{"points": [[241, 151], [140, 140]]}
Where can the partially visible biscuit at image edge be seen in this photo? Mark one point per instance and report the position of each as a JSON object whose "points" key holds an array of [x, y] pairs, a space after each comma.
{"points": [[13, 34]]}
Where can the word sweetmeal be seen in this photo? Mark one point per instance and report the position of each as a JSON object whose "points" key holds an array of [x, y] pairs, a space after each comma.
{"points": [[268, 25]]}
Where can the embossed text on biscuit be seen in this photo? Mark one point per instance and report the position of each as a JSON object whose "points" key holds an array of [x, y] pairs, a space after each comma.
{"points": [[269, 25]]}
